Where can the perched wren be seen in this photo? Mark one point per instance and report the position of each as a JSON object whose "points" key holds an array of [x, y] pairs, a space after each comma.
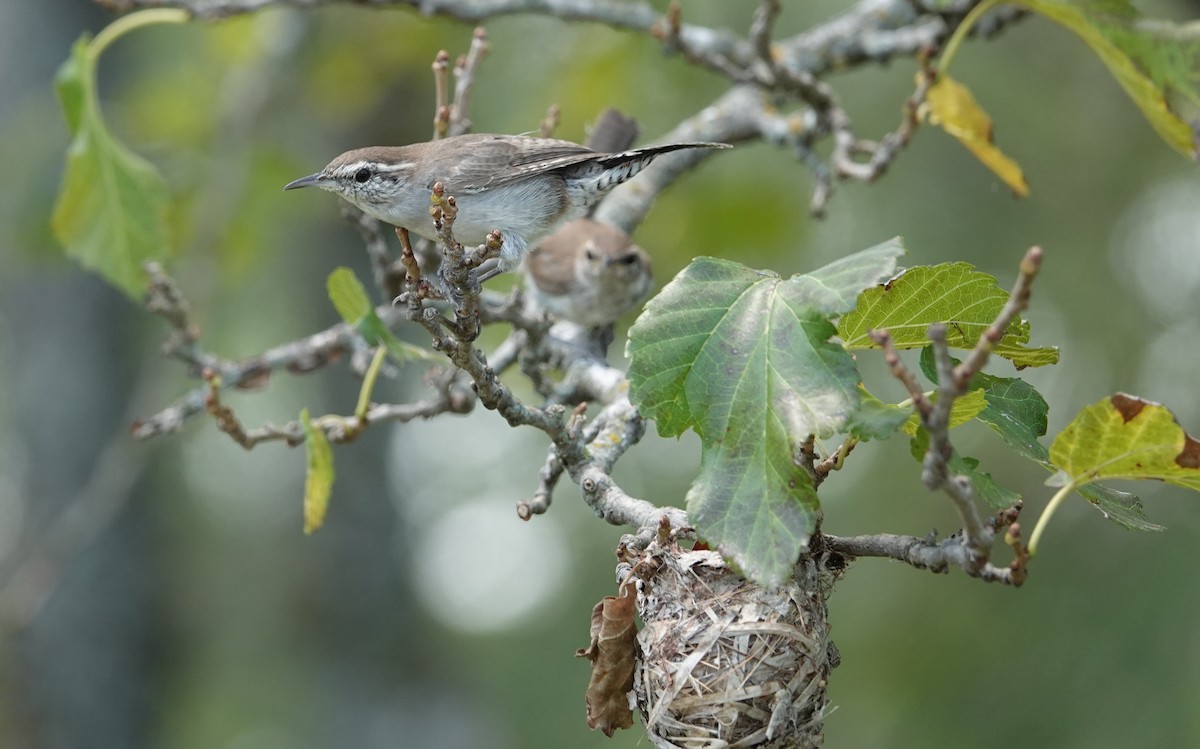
{"points": [[588, 273], [526, 187]]}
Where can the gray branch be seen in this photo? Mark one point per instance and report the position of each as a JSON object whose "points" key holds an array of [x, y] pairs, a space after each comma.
{"points": [[926, 554]]}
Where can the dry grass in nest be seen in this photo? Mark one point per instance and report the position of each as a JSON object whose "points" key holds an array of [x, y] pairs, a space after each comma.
{"points": [[726, 663]]}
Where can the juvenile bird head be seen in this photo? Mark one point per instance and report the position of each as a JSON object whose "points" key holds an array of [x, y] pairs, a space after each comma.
{"points": [[589, 273]]}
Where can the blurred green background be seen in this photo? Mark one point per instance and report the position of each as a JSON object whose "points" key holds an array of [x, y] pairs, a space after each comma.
{"points": [[162, 595]]}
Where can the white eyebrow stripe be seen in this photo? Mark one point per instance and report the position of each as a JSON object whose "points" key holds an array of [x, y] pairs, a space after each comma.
{"points": [[375, 166]]}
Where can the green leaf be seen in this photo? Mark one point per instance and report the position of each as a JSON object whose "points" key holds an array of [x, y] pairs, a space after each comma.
{"points": [[350, 299], [721, 333], [874, 419], [1016, 410], [1128, 438], [74, 83], [1122, 508], [1159, 68], [111, 213], [835, 288], [318, 480], [989, 491], [984, 485], [955, 294], [743, 357], [374, 329], [348, 295], [753, 503]]}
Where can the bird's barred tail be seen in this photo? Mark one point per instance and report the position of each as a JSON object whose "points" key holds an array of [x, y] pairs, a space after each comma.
{"points": [[613, 169]]}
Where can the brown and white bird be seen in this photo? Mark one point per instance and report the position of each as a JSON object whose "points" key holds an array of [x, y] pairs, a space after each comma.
{"points": [[524, 186], [588, 273]]}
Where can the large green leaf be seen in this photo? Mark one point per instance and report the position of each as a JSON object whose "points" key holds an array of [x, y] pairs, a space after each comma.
{"points": [[753, 501], [112, 206], [1158, 64], [720, 332], [744, 358], [955, 294], [1128, 438]]}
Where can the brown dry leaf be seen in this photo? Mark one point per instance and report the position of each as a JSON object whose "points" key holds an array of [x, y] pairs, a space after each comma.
{"points": [[613, 653], [950, 105]]}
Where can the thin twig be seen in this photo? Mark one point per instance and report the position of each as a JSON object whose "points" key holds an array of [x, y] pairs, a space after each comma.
{"points": [[441, 101], [464, 81], [549, 123], [761, 29], [548, 478]]}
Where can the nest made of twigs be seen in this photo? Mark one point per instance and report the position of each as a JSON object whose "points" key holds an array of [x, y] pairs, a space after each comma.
{"points": [[727, 663]]}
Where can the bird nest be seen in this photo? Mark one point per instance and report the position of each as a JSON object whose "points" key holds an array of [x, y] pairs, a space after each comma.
{"points": [[727, 663]]}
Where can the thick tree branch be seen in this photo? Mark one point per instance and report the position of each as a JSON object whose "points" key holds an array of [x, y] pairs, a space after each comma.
{"points": [[929, 553]]}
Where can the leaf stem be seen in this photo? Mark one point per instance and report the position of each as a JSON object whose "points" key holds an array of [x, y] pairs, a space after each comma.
{"points": [[961, 32], [125, 24], [1044, 520], [840, 459], [364, 394]]}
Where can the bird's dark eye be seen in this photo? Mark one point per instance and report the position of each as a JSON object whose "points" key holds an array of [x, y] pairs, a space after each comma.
{"points": [[591, 255], [362, 175], [629, 259]]}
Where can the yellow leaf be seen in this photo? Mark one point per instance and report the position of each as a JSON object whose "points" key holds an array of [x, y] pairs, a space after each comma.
{"points": [[1126, 437], [950, 105], [318, 481]]}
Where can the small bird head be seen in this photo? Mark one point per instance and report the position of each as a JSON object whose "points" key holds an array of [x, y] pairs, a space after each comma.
{"points": [[363, 177], [612, 261], [588, 273]]}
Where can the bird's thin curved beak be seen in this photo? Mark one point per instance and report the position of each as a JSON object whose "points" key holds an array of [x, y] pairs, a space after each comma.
{"points": [[311, 179]]}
